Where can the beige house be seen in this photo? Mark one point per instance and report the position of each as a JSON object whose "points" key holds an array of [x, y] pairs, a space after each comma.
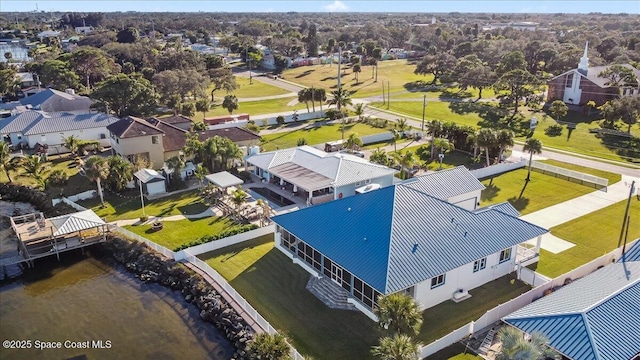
{"points": [[131, 137]]}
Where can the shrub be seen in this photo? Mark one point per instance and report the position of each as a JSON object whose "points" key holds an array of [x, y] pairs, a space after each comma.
{"points": [[218, 236], [57, 178], [332, 114], [252, 126], [280, 120], [244, 175], [553, 130], [301, 141]]}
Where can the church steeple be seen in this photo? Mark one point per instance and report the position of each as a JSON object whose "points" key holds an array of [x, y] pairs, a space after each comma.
{"points": [[583, 67]]}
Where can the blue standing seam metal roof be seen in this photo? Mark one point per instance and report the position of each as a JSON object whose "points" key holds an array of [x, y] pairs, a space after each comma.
{"points": [[397, 236], [446, 184], [595, 317]]}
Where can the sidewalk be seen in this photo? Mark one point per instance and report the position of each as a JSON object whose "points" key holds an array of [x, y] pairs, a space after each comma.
{"points": [[207, 213]]}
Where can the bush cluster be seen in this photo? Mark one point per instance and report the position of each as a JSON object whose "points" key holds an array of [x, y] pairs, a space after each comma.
{"points": [[218, 236]]}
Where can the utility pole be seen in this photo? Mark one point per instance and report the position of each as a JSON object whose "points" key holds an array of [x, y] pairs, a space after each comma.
{"points": [[388, 94], [246, 54], [339, 63], [626, 212], [424, 106]]}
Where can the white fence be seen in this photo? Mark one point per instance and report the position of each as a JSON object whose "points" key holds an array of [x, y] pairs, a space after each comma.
{"points": [[531, 277], [159, 248], [68, 202], [244, 304], [303, 115], [496, 314], [570, 174], [231, 240], [497, 169]]}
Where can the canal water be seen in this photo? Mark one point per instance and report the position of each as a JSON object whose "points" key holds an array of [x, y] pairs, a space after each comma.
{"points": [[94, 309]]}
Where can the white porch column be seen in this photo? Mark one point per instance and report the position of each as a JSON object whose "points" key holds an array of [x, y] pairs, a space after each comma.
{"points": [[538, 244], [295, 188], [281, 182], [309, 199]]}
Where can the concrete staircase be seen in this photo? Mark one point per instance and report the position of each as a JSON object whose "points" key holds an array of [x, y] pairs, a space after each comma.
{"points": [[329, 293]]}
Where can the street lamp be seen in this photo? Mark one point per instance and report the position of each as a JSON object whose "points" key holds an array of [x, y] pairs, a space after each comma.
{"points": [[441, 157]]}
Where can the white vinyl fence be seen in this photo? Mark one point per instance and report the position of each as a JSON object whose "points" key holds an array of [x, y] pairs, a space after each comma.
{"points": [[487, 171], [128, 234], [595, 180], [231, 240], [68, 202]]}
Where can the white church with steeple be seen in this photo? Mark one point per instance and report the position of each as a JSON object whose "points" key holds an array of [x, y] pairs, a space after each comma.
{"points": [[583, 84]]}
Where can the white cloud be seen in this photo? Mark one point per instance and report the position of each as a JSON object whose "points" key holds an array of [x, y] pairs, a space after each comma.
{"points": [[337, 5]]}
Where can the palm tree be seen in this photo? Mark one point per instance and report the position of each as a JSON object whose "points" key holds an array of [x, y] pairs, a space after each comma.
{"points": [[341, 98], [97, 169], [228, 152], [269, 347], [473, 139], [395, 136], [7, 163], [72, 143], [304, 96], [434, 127], [398, 347], [35, 168], [402, 125], [379, 156], [238, 197], [230, 103], [320, 95], [532, 146], [486, 139], [200, 173], [356, 69], [175, 164], [120, 173], [504, 139], [442, 145], [203, 105], [407, 161], [399, 313], [516, 347], [359, 110], [353, 142]]}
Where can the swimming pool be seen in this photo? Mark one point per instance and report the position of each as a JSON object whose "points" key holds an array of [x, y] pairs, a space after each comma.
{"points": [[275, 200]]}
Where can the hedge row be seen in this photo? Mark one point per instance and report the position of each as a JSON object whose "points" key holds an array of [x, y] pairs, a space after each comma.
{"points": [[222, 235]]}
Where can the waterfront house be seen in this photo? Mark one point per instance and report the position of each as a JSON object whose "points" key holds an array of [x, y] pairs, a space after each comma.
{"points": [[319, 176], [401, 239], [133, 137]]}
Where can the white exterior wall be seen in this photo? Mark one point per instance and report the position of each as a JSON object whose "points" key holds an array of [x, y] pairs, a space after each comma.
{"points": [[350, 189], [468, 201], [463, 278], [53, 139], [157, 187], [574, 92]]}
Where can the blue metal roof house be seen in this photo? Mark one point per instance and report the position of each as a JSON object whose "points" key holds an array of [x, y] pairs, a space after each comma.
{"points": [[596, 317], [400, 238]]}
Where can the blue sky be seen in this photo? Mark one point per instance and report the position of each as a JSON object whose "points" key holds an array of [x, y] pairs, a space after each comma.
{"points": [[573, 6]]}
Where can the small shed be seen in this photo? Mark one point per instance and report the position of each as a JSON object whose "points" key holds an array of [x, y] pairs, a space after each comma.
{"points": [[224, 179], [152, 182]]}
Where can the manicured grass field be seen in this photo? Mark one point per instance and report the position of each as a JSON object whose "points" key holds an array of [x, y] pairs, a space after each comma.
{"points": [[276, 288], [542, 191], [450, 160], [448, 316], [176, 233], [437, 110], [128, 206], [594, 234], [317, 135], [253, 107], [257, 89], [454, 352], [395, 73], [612, 177], [77, 183], [446, 93]]}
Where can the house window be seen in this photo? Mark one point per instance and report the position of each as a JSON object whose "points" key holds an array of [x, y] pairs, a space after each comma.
{"points": [[117, 141], [569, 81], [154, 139], [368, 181], [480, 264], [505, 255], [437, 281], [357, 183]]}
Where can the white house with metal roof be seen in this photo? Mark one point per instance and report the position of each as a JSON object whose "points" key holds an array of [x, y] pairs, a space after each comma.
{"points": [[401, 239], [456, 185], [596, 317], [319, 175], [38, 127]]}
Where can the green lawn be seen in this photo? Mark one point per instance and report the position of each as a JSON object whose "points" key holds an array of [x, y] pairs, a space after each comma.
{"points": [[594, 234], [449, 93], [128, 206], [454, 352], [246, 90], [450, 160], [438, 110], [276, 288], [542, 191], [317, 135], [254, 108], [448, 316], [77, 183], [395, 73], [612, 177], [176, 233]]}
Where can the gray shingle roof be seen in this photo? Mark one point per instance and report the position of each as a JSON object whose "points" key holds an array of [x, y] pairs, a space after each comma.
{"points": [[40, 122], [446, 184], [131, 126], [54, 101]]}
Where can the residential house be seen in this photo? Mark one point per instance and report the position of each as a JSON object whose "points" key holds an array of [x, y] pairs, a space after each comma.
{"points": [[319, 176], [457, 186], [32, 127], [583, 84], [594, 317], [400, 239], [48, 33], [134, 137], [179, 121], [51, 100]]}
